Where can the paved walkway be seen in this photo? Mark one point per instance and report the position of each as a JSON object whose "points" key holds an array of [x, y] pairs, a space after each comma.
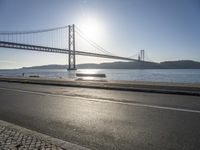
{"points": [[13, 137]]}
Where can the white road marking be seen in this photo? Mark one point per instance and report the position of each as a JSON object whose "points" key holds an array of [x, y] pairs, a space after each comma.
{"points": [[107, 101]]}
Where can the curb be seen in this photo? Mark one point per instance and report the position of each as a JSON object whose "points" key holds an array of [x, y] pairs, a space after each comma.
{"points": [[60, 143], [165, 88]]}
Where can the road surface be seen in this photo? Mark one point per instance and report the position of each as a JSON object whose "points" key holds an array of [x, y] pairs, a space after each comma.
{"points": [[104, 119]]}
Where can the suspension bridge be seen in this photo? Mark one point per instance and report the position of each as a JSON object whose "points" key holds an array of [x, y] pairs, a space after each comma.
{"points": [[57, 40]]}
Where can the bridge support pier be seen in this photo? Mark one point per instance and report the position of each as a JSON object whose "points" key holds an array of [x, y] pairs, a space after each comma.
{"points": [[72, 52]]}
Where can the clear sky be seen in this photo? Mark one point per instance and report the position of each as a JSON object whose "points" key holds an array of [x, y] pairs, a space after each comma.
{"points": [[166, 29]]}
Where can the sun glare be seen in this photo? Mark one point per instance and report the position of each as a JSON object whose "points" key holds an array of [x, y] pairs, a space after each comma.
{"points": [[92, 27]]}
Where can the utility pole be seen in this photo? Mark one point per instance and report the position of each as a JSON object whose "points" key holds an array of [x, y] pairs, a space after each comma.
{"points": [[72, 52]]}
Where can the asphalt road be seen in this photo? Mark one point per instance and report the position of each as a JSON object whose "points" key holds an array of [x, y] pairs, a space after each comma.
{"points": [[104, 119]]}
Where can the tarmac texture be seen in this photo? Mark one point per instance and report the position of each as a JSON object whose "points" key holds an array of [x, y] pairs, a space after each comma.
{"points": [[104, 119]]}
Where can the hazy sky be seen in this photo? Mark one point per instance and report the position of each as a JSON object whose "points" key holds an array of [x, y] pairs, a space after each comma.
{"points": [[166, 29]]}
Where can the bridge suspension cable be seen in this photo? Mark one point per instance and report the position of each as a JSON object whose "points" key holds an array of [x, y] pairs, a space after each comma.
{"points": [[32, 31], [92, 43], [53, 37], [56, 40], [134, 56]]}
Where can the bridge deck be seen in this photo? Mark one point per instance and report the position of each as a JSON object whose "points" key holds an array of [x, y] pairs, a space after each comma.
{"points": [[58, 50]]}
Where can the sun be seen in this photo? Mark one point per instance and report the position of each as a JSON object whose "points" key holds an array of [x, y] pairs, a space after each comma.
{"points": [[92, 27]]}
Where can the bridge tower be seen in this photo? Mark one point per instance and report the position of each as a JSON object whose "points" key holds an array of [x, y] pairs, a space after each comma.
{"points": [[72, 52], [141, 56]]}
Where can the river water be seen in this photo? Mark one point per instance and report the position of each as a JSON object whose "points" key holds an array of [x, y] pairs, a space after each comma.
{"points": [[154, 75]]}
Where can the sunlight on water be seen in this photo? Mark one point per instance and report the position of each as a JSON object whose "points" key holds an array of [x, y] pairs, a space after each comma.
{"points": [[153, 75], [86, 78], [88, 71]]}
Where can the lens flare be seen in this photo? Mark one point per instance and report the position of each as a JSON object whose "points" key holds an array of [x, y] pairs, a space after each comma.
{"points": [[92, 27]]}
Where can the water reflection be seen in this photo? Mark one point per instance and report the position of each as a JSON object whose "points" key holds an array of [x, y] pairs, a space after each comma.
{"points": [[85, 78], [89, 75], [88, 71], [153, 75]]}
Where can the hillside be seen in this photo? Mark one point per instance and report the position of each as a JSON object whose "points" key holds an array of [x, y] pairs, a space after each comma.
{"points": [[182, 64]]}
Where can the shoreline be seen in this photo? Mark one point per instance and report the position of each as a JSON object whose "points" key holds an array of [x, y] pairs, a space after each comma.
{"points": [[139, 86], [179, 76]]}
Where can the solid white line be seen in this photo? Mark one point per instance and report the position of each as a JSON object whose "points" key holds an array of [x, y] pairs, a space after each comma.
{"points": [[107, 101]]}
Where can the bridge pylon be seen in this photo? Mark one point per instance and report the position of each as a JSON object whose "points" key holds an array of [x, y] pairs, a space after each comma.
{"points": [[72, 52], [141, 56]]}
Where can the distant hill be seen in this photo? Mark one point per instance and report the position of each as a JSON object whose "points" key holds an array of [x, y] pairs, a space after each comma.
{"points": [[47, 67], [121, 65], [182, 64]]}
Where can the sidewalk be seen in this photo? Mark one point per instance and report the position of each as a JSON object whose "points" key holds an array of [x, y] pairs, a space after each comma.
{"points": [[13, 137]]}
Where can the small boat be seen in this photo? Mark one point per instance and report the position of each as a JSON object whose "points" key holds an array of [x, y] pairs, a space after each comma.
{"points": [[34, 76], [90, 75]]}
